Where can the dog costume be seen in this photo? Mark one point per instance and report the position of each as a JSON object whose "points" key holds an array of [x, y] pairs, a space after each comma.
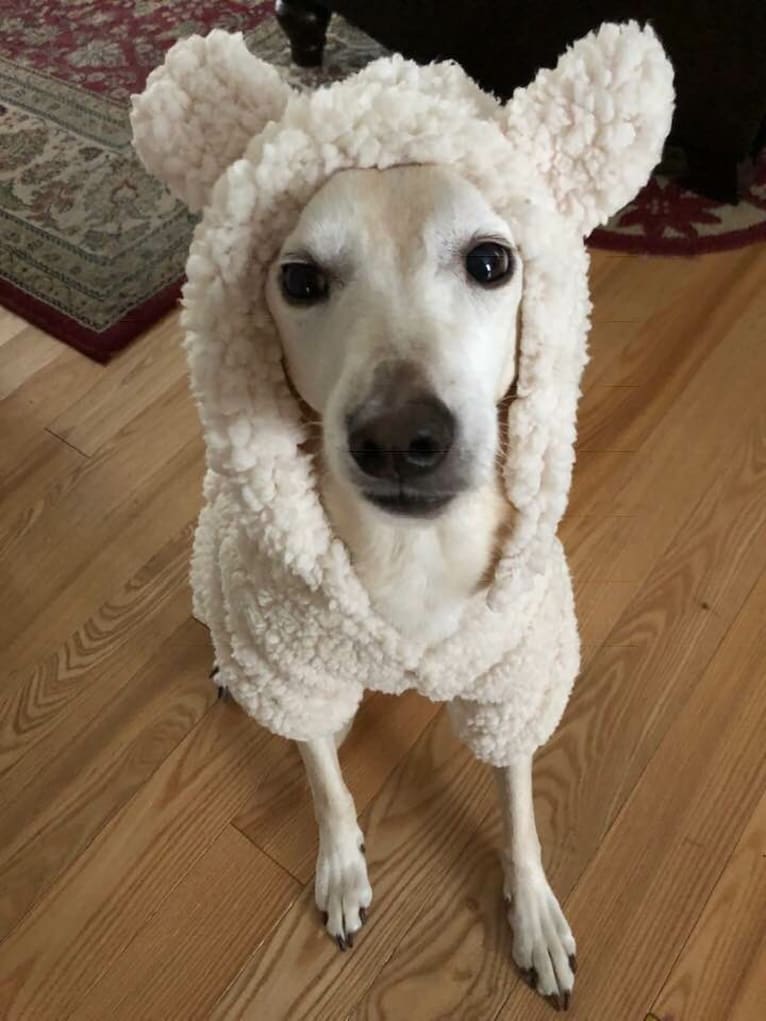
{"points": [[296, 637]]}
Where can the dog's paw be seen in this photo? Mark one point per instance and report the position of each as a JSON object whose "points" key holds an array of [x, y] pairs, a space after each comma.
{"points": [[341, 887], [543, 945]]}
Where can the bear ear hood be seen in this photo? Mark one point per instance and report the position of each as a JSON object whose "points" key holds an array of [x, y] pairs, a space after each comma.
{"points": [[199, 110], [226, 134], [593, 127]]}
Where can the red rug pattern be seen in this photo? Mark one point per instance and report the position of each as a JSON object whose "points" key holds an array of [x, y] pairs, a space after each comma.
{"points": [[92, 249], [667, 219]]}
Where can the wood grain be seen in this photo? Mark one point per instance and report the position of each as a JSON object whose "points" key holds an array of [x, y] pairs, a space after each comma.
{"points": [[102, 654], [459, 945], [281, 820], [120, 880], [416, 832], [187, 953], [612, 726], [31, 486], [141, 375], [663, 360], [23, 352], [29, 409], [156, 847], [608, 347], [749, 1002], [10, 325], [705, 980], [143, 495], [657, 866], [478, 990], [64, 805]]}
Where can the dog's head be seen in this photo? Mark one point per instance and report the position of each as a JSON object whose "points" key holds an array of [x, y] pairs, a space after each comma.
{"points": [[388, 227], [395, 297]]}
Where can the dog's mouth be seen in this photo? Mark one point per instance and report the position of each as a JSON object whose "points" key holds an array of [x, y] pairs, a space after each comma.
{"points": [[408, 504]]}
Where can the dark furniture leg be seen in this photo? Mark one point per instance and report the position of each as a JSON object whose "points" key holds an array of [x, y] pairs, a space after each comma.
{"points": [[713, 174], [305, 25]]}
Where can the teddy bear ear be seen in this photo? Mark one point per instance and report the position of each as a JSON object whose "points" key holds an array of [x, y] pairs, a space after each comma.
{"points": [[594, 126], [200, 109]]}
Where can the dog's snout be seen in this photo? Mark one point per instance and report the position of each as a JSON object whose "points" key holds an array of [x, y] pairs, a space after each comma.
{"points": [[407, 440]]}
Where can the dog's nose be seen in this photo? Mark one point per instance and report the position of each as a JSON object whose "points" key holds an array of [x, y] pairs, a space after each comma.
{"points": [[406, 441]]}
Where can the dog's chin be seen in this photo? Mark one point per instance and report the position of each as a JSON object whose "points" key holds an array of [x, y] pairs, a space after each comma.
{"points": [[402, 504]]}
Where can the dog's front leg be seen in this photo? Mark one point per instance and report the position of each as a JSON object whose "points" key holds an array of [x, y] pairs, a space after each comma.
{"points": [[543, 945], [341, 887]]}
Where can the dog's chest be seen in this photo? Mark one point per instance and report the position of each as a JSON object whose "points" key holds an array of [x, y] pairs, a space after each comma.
{"points": [[418, 586], [419, 577]]}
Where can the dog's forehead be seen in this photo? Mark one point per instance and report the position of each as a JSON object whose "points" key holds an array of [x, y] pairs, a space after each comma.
{"points": [[398, 209]]}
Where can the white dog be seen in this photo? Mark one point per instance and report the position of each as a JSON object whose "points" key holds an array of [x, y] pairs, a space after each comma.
{"points": [[396, 299], [385, 315]]}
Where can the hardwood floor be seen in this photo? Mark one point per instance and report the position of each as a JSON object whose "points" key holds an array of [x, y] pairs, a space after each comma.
{"points": [[156, 847]]}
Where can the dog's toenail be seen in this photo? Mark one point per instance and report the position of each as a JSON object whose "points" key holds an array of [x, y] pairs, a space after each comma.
{"points": [[350, 939], [573, 963], [213, 672], [554, 1001], [325, 917], [340, 942], [566, 1000], [363, 915], [530, 977], [363, 849]]}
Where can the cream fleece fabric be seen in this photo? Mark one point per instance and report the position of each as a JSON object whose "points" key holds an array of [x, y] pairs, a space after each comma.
{"points": [[296, 637]]}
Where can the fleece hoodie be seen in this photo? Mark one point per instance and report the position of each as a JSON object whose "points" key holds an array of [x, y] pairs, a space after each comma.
{"points": [[297, 638]]}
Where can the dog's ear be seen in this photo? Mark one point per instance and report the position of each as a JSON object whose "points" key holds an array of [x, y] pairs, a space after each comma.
{"points": [[200, 109], [595, 125]]}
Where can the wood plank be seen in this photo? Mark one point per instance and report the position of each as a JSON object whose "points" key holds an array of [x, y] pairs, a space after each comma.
{"points": [[654, 878], [599, 606], [608, 417], [705, 979], [609, 487], [619, 714], [653, 656], [22, 354], [749, 1003], [80, 677], [665, 355], [30, 487], [101, 490], [184, 957], [458, 945], [659, 863], [598, 481], [84, 922], [631, 289], [32, 407], [594, 544], [608, 346], [281, 821], [664, 541], [60, 810], [137, 377], [10, 325], [127, 501], [416, 831]]}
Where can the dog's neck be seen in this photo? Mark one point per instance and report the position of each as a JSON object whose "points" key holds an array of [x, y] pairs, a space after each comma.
{"points": [[419, 574]]}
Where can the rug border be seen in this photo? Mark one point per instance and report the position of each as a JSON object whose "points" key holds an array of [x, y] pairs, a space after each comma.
{"points": [[638, 244], [98, 345]]}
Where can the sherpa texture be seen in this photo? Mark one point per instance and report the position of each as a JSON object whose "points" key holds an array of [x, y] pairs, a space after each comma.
{"points": [[296, 637]]}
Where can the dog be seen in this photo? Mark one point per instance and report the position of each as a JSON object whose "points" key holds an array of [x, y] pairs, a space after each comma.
{"points": [[387, 381], [396, 299]]}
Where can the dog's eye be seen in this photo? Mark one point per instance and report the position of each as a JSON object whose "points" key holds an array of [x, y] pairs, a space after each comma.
{"points": [[489, 263], [303, 283]]}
